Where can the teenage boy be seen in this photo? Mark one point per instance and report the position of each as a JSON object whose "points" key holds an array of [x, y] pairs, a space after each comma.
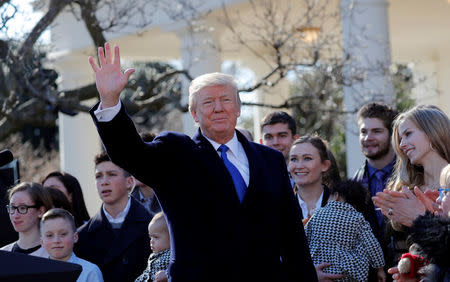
{"points": [[58, 235], [279, 131], [116, 237]]}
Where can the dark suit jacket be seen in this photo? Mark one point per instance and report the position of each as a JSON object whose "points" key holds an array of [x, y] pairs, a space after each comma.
{"points": [[121, 258], [214, 237]]}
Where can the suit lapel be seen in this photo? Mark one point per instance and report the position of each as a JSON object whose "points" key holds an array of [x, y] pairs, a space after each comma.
{"points": [[254, 164], [128, 233], [215, 167], [102, 229]]}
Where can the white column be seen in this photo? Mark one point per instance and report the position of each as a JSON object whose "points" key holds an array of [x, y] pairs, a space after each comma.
{"points": [[78, 137], [443, 81], [199, 54], [365, 34]]}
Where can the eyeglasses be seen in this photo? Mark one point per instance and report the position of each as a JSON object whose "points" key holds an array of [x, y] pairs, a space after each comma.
{"points": [[443, 192], [20, 209]]}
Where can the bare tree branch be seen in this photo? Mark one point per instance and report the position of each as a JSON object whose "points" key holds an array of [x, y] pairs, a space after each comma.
{"points": [[56, 6], [88, 9]]}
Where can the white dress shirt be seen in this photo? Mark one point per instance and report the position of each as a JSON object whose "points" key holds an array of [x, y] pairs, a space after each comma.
{"points": [[236, 155], [120, 218], [304, 206]]}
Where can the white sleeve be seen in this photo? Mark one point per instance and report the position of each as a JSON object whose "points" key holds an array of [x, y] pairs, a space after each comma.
{"points": [[105, 115]]}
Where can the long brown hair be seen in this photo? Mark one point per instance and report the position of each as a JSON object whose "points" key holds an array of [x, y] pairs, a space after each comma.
{"points": [[436, 125]]}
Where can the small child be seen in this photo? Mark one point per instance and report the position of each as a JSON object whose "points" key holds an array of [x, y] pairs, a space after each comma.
{"points": [[158, 262], [339, 234], [58, 235]]}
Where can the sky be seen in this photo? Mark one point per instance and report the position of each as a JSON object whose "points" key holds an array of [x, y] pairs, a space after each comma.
{"points": [[24, 20]]}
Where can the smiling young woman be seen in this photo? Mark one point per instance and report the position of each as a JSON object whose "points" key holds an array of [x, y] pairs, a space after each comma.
{"points": [[313, 168], [420, 138]]}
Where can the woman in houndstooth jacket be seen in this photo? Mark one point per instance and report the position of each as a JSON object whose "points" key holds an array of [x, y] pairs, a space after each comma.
{"points": [[339, 234]]}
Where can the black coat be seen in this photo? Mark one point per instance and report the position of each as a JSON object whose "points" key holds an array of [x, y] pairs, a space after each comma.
{"points": [[214, 237], [121, 258]]}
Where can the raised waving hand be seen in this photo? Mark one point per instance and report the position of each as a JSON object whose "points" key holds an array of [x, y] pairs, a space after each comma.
{"points": [[109, 78]]}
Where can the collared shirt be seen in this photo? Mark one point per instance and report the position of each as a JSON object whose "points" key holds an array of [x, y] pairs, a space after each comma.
{"points": [[374, 184], [120, 218], [236, 155], [105, 115], [89, 273], [304, 206]]}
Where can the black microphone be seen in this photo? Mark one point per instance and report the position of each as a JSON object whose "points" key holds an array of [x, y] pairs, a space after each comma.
{"points": [[5, 157]]}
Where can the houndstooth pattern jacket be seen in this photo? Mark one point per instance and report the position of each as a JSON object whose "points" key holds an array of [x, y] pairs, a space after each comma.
{"points": [[340, 235], [156, 262]]}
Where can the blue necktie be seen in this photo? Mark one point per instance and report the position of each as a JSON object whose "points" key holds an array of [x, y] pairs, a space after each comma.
{"points": [[239, 183], [379, 185]]}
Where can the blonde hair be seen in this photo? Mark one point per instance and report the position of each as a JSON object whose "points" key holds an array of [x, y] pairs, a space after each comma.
{"points": [[159, 218], [211, 79], [436, 126], [445, 177]]}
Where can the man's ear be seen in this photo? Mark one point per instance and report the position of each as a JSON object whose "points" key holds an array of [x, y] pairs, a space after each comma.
{"points": [[194, 115], [75, 237], [296, 136], [131, 182]]}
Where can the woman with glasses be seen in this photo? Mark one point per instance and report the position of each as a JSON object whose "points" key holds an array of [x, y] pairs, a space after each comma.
{"points": [[27, 203]]}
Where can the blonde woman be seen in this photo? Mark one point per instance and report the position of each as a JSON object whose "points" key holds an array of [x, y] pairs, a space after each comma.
{"points": [[421, 138]]}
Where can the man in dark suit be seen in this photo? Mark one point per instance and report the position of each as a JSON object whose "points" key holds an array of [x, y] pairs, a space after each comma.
{"points": [[229, 205], [116, 238]]}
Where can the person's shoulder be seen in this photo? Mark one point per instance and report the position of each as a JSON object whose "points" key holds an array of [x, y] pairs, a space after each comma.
{"points": [[138, 212], [84, 262], [41, 252], [91, 224], [91, 271], [359, 174], [266, 151], [171, 136], [8, 247]]}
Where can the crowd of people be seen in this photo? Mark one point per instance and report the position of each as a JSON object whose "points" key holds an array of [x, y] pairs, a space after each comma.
{"points": [[220, 207]]}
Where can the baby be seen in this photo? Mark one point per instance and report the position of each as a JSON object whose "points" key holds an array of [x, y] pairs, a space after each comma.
{"points": [[158, 262], [58, 235], [339, 234]]}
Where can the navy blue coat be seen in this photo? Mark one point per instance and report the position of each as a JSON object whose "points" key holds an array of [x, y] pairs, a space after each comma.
{"points": [[214, 237], [121, 258]]}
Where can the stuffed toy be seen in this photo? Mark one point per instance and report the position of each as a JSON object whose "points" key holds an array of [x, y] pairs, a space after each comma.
{"points": [[410, 264]]}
